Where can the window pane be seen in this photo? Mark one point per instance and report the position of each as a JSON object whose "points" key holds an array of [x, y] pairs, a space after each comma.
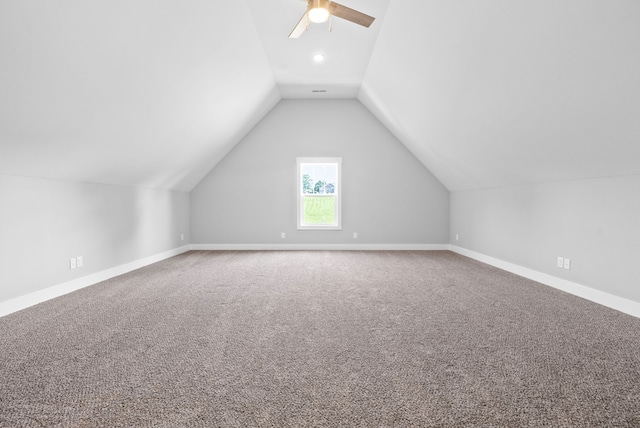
{"points": [[319, 196]]}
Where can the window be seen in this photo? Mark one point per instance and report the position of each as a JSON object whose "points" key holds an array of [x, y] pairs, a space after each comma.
{"points": [[319, 196]]}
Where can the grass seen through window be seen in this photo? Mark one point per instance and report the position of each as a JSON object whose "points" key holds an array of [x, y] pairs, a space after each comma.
{"points": [[319, 209]]}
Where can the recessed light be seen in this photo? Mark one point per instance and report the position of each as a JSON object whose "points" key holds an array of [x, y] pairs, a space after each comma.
{"points": [[318, 57]]}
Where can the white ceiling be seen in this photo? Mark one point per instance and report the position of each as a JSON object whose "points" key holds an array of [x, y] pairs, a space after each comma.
{"points": [[496, 93], [155, 92], [148, 92], [347, 48]]}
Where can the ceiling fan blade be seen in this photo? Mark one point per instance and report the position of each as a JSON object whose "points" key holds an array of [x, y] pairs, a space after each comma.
{"points": [[300, 27], [349, 14]]}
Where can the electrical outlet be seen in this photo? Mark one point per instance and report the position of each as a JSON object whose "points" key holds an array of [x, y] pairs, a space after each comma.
{"points": [[567, 264], [79, 261], [73, 263], [182, 236], [355, 235], [560, 262], [457, 237], [283, 235]]}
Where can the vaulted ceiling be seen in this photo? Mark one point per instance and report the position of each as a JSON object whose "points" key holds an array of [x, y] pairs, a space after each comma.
{"points": [[155, 92]]}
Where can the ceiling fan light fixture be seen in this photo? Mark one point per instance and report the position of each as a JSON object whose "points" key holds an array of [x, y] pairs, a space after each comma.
{"points": [[318, 15], [318, 11]]}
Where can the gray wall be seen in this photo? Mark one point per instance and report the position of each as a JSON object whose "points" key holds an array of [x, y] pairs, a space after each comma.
{"points": [[595, 223], [388, 196], [44, 223]]}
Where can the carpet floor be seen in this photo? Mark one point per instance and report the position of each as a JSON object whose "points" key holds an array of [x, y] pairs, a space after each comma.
{"points": [[324, 339]]}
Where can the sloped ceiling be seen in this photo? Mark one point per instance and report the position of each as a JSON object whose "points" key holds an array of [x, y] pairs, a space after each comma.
{"points": [[496, 93], [146, 92], [155, 92]]}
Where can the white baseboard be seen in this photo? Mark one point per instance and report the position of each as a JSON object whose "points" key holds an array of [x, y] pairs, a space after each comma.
{"points": [[618, 303], [22, 302], [320, 247]]}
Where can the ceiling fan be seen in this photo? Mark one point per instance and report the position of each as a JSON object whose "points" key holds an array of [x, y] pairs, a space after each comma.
{"points": [[320, 10]]}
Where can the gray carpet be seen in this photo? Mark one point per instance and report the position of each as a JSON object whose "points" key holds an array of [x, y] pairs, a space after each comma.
{"points": [[337, 339]]}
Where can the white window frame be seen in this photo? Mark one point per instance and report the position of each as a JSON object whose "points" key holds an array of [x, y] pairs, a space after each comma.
{"points": [[337, 225]]}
